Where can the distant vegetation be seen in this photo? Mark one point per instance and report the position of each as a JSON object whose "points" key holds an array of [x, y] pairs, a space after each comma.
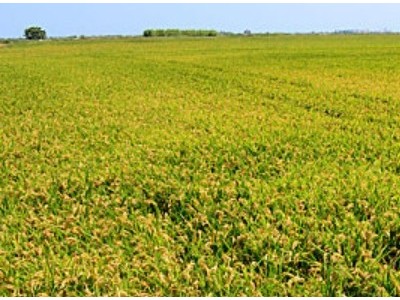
{"points": [[177, 32], [35, 33]]}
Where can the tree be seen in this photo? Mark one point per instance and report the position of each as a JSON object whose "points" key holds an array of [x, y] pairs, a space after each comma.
{"points": [[148, 32], [35, 33]]}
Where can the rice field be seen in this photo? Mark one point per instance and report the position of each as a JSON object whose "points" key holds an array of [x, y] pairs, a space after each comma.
{"points": [[225, 166]]}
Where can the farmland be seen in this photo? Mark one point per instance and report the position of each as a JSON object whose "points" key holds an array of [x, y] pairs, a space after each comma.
{"points": [[201, 167]]}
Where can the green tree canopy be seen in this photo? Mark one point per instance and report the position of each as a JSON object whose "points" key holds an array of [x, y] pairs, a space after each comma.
{"points": [[35, 33]]}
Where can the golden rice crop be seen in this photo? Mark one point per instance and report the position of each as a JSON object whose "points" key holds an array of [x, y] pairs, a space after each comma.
{"points": [[257, 166]]}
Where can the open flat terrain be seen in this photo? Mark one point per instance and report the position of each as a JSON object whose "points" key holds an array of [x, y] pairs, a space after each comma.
{"points": [[192, 167]]}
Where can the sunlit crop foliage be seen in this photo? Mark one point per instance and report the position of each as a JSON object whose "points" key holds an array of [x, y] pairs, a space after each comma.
{"points": [[201, 167]]}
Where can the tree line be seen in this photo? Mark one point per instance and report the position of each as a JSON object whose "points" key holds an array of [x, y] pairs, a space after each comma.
{"points": [[177, 32], [38, 33]]}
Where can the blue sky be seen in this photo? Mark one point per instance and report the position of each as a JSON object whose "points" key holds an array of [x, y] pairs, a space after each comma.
{"points": [[133, 18]]}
